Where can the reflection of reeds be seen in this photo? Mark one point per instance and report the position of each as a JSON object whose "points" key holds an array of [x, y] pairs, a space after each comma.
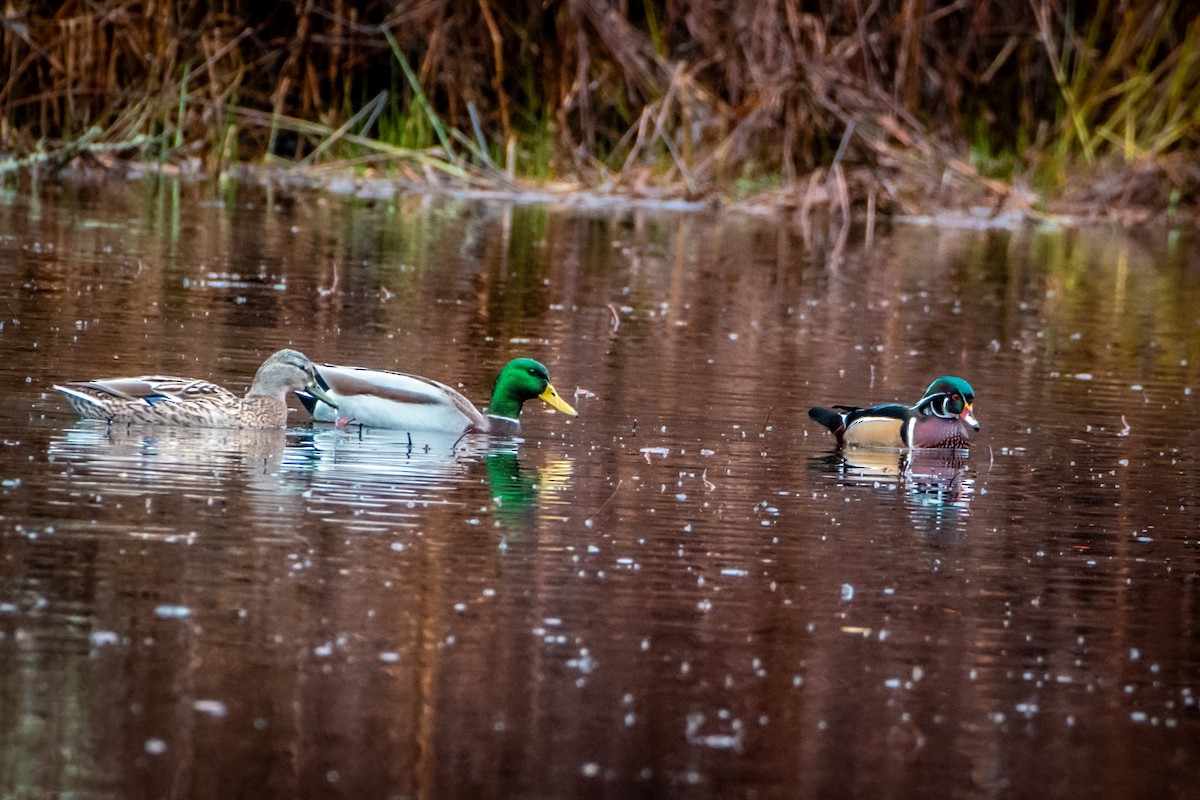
{"points": [[689, 96]]}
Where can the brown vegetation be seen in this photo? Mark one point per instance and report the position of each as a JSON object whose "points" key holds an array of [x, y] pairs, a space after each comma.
{"points": [[911, 103]]}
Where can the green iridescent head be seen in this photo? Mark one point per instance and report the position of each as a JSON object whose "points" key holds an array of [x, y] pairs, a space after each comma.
{"points": [[949, 397], [524, 379]]}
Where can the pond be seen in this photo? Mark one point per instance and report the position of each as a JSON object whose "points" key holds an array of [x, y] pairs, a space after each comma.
{"points": [[686, 591]]}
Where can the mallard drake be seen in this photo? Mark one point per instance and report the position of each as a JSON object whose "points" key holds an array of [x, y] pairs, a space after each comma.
{"points": [[942, 418], [165, 400], [382, 399]]}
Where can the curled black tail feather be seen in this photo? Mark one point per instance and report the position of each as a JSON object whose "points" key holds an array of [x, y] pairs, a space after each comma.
{"points": [[830, 419]]}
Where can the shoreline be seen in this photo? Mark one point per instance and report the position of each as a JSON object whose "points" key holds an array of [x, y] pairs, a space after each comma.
{"points": [[1017, 208]]}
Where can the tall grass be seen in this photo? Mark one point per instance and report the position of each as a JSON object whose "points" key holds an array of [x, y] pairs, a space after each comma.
{"points": [[889, 98]]}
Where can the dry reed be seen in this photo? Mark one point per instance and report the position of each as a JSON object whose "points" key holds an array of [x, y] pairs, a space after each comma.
{"points": [[905, 102]]}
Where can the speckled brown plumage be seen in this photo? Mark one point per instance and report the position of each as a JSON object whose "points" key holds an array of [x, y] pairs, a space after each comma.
{"points": [[167, 400]]}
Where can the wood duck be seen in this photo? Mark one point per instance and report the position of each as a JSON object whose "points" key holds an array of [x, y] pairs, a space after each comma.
{"points": [[943, 418]]}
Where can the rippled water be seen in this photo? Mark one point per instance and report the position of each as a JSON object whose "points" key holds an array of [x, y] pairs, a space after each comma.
{"points": [[682, 592]]}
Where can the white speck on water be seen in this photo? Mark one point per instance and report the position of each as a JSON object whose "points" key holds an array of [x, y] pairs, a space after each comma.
{"points": [[460, 607], [172, 612], [591, 769], [585, 663], [1026, 709], [734, 572], [847, 592], [1134, 654], [1083, 376], [213, 708], [1139, 716], [323, 650], [388, 657], [398, 546], [155, 746], [102, 638]]}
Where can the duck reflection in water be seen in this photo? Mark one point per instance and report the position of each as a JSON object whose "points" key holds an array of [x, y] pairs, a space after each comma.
{"points": [[933, 482], [182, 450], [380, 474], [519, 494]]}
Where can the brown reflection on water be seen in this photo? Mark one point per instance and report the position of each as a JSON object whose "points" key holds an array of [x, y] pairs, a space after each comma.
{"points": [[683, 592]]}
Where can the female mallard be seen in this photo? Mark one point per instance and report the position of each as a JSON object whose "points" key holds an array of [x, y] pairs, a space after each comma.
{"points": [[381, 399], [156, 399], [943, 418]]}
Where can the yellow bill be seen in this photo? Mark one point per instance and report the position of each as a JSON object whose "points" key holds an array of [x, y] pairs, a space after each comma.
{"points": [[551, 398]]}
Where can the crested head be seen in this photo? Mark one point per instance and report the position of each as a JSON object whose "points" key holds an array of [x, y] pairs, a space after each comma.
{"points": [[948, 384], [949, 397], [523, 379]]}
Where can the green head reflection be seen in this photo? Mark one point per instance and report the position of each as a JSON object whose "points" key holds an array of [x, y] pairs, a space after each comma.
{"points": [[517, 492]]}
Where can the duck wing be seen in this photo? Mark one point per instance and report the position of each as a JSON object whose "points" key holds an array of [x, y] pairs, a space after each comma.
{"points": [[879, 426], [145, 398], [384, 399]]}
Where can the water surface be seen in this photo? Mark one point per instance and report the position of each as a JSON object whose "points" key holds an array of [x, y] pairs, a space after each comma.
{"points": [[683, 592]]}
